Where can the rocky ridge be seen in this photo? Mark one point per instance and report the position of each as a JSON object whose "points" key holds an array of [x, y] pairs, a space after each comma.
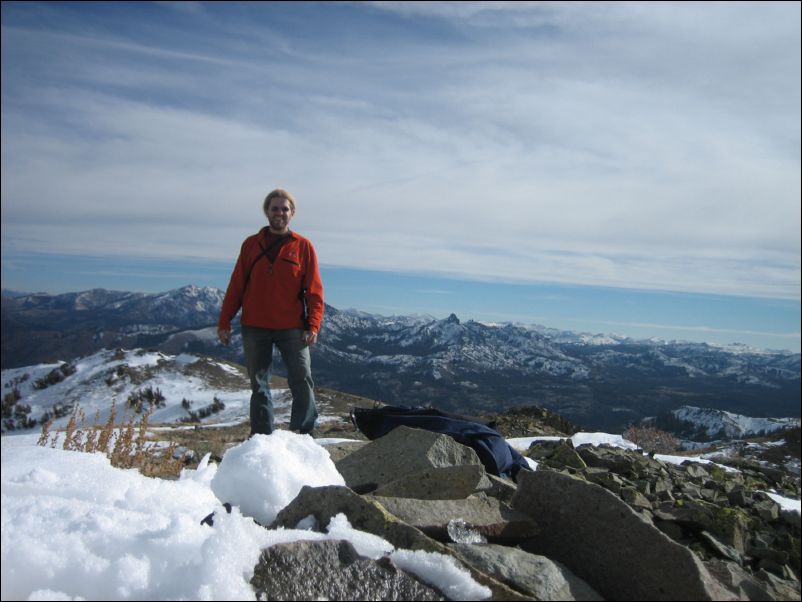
{"points": [[591, 523]]}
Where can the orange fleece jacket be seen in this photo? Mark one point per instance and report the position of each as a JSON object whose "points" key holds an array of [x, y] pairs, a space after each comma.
{"points": [[270, 297]]}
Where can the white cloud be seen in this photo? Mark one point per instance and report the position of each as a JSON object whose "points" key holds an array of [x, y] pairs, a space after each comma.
{"points": [[622, 145]]}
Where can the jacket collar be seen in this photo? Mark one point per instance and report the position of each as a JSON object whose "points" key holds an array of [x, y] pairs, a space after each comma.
{"points": [[266, 230]]}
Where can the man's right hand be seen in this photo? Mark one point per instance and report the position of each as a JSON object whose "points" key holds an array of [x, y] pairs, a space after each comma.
{"points": [[224, 334]]}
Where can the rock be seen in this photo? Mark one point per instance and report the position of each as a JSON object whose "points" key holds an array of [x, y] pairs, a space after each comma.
{"points": [[363, 514], [501, 489], [690, 490], [530, 574], [635, 498], [730, 525], [614, 459], [338, 451], [767, 508], [605, 478], [696, 514], [332, 570], [662, 485], [444, 483], [488, 516], [779, 588], [541, 450], [402, 452], [565, 456], [639, 562], [742, 585], [721, 549], [695, 470]]}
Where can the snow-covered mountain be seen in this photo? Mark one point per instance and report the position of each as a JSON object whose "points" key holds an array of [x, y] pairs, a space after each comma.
{"points": [[171, 386], [598, 381], [446, 349], [721, 424], [186, 306]]}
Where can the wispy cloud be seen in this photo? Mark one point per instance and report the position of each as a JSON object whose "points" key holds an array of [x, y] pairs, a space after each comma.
{"points": [[696, 328], [627, 145]]}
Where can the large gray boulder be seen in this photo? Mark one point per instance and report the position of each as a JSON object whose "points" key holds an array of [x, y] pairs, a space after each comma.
{"points": [[332, 570], [609, 545], [403, 451], [443, 483], [531, 574]]}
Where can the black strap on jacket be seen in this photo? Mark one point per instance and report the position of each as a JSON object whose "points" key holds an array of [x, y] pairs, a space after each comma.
{"points": [[265, 253]]}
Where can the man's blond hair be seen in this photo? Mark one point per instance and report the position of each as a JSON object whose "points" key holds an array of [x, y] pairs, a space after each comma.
{"points": [[278, 193]]}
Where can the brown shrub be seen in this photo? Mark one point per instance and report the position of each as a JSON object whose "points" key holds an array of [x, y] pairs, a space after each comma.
{"points": [[651, 440], [126, 445]]}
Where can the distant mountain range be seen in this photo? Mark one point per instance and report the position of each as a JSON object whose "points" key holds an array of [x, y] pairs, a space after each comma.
{"points": [[596, 381], [47, 328]]}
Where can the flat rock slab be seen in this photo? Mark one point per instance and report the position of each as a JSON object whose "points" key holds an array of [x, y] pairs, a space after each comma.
{"points": [[487, 516]]}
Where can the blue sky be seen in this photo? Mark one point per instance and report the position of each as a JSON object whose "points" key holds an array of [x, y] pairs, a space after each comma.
{"points": [[626, 168]]}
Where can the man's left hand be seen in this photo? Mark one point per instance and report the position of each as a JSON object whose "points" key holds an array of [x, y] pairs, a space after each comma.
{"points": [[310, 337]]}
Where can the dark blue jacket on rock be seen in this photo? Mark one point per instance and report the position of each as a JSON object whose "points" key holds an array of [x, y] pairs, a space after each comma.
{"points": [[493, 450]]}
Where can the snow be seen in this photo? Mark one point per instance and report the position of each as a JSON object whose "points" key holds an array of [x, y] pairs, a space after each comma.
{"points": [[679, 460], [523, 443], [786, 503], [266, 472], [185, 359], [733, 425], [74, 527]]}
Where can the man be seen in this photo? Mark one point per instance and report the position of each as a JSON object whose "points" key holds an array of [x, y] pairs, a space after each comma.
{"points": [[277, 283]]}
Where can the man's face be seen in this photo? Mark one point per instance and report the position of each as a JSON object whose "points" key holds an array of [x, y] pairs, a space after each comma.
{"points": [[279, 214]]}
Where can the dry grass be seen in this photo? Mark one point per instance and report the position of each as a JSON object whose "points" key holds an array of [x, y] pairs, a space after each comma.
{"points": [[127, 445]]}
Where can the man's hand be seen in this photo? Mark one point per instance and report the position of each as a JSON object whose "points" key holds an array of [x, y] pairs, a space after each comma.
{"points": [[309, 337], [224, 334]]}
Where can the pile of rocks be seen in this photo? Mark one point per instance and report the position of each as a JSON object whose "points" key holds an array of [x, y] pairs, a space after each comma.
{"points": [[723, 515], [554, 535]]}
